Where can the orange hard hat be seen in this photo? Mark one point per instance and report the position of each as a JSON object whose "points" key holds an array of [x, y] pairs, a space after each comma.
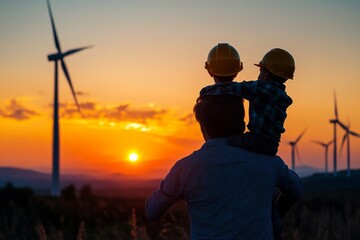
{"points": [[279, 62], [223, 60]]}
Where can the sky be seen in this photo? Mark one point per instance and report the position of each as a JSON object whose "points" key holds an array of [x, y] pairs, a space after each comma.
{"points": [[138, 82]]}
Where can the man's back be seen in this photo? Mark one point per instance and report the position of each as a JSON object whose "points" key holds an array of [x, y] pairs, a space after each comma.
{"points": [[228, 190], [268, 104]]}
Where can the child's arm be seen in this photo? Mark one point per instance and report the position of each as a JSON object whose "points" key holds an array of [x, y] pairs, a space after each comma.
{"points": [[245, 89]]}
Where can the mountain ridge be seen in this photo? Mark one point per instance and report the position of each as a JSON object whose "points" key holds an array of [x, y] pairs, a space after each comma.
{"points": [[115, 183]]}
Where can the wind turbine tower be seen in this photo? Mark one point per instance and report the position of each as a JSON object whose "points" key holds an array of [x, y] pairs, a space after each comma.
{"points": [[58, 57], [295, 149], [346, 138]]}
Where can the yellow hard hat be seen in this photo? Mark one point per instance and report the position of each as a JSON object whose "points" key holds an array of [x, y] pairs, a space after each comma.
{"points": [[223, 60], [279, 62]]}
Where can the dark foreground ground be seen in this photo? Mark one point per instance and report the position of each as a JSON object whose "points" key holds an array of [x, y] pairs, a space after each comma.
{"points": [[80, 214]]}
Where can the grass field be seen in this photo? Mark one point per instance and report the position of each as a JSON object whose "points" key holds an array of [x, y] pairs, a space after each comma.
{"points": [[79, 214]]}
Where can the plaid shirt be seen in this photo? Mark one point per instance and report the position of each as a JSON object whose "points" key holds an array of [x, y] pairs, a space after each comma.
{"points": [[268, 104]]}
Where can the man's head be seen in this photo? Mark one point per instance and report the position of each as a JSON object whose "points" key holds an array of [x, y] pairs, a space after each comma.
{"points": [[223, 63], [220, 116], [277, 65]]}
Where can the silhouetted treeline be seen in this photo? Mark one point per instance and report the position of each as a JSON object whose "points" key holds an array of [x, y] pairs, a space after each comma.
{"points": [[80, 214], [22, 214]]}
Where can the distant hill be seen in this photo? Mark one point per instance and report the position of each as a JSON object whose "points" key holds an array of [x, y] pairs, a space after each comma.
{"points": [[320, 182], [122, 185], [23, 177], [304, 171], [115, 184]]}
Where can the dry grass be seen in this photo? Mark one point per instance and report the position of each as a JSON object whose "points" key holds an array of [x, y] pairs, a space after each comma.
{"points": [[81, 233], [318, 216], [42, 233], [133, 225]]}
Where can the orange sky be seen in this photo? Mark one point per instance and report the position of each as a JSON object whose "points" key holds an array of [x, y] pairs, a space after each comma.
{"points": [[138, 83]]}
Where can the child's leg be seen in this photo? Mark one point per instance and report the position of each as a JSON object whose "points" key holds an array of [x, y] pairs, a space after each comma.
{"points": [[255, 143]]}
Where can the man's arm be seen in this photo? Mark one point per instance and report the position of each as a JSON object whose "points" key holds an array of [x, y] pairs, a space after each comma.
{"points": [[288, 182], [244, 89], [169, 192], [283, 204]]}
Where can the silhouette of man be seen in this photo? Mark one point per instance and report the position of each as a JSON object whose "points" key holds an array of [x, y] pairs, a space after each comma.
{"points": [[228, 189]]}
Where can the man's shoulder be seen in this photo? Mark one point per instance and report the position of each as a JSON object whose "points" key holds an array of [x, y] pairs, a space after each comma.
{"points": [[187, 160], [212, 151], [263, 157]]}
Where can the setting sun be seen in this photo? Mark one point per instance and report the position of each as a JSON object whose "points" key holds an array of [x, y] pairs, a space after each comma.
{"points": [[133, 157]]}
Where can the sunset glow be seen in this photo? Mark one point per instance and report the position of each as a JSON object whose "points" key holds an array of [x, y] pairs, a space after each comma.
{"points": [[133, 157], [139, 81]]}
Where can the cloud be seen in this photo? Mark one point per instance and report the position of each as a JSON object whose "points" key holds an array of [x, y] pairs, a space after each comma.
{"points": [[183, 141], [148, 118], [114, 113], [14, 109], [144, 115], [88, 105], [120, 112], [189, 119]]}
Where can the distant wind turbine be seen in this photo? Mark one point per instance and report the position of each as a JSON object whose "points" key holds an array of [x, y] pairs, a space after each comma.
{"points": [[56, 57], [347, 134], [335, 122], [295, 149], [326, 146]]}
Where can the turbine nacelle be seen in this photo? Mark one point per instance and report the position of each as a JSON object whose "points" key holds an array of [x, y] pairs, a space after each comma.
{"points": [[55, 56], [323, 144], [59, 55]]}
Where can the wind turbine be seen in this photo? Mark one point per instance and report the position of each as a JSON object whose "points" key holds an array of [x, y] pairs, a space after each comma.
{"points": [[335, 121], [326, 146], [295, 149], [56, 57], [347, 134]]}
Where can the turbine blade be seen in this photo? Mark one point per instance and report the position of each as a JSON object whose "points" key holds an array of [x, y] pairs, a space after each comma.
{"points": [[343, 141], [318, 142], [342, 125], [329, 143], [57, 43], [72, 51], [354, 134], [335, 106], [66, 72], [300, 136]]}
